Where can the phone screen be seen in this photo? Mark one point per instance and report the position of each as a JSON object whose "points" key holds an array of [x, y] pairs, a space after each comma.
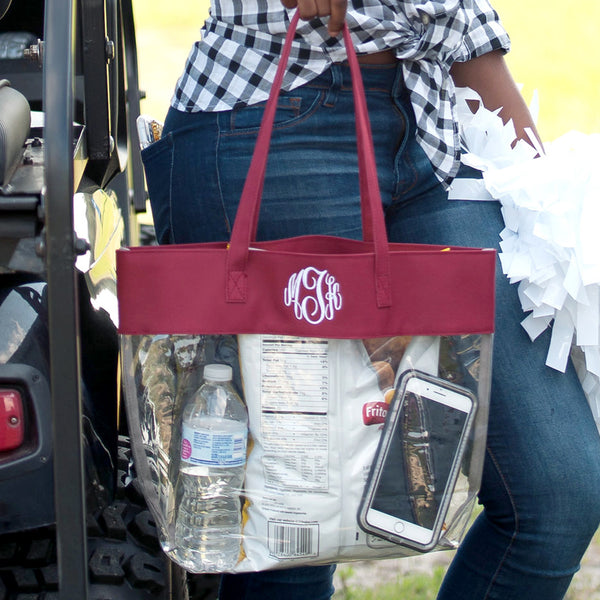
{"points": [[420, 458]]}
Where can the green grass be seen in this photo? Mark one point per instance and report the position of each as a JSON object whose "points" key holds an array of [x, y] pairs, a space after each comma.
{"points": [[418, 586]]}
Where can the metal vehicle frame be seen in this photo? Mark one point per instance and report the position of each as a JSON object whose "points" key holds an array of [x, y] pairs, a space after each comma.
{"points": [[83, 80], [60, 252]]}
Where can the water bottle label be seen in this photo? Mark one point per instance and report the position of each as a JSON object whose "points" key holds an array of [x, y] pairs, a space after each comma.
{"points": [[214, 448]]}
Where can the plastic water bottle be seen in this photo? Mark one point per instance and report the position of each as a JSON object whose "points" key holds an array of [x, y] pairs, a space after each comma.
{"points": [[211, 474]]}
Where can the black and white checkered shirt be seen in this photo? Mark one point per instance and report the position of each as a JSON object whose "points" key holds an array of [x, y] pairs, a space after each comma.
{"points": [[235, 61]]}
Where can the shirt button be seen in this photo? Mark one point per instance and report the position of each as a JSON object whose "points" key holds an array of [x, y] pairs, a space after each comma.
{"points": [[425, 18]]}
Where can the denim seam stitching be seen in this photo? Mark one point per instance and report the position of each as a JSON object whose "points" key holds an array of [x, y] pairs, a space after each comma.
{"points": [[288, 103], [403, 190], [171, 167], [372, 89], [218, 177], [318, 102], [516, 526]]}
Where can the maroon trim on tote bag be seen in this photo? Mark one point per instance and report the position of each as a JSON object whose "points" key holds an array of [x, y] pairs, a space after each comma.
{"points": [[315, 286]]}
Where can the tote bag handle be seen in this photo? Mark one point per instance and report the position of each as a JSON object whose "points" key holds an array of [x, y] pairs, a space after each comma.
{"points": [[373, 222]]}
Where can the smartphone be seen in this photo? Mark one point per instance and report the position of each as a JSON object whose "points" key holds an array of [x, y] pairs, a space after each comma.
{"points": [[417, 461]]}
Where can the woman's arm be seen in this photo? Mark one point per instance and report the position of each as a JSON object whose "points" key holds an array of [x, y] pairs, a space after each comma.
{"points": [[489, 76], [334, 9]]}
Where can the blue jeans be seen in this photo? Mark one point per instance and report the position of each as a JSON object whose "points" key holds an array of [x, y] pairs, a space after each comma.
{"points": [[541, 482]]}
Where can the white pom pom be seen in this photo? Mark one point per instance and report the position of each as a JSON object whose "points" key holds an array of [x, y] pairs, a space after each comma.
{"points": [[551, 243]]}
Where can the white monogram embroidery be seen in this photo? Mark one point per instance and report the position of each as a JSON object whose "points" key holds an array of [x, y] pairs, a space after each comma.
{"points": [[314, 294]]}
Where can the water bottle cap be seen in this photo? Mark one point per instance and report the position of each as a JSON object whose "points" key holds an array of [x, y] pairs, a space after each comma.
{"points": [[218, 372]]}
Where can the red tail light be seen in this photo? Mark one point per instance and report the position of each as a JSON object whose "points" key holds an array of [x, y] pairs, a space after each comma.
{"points": [[12, 427]]}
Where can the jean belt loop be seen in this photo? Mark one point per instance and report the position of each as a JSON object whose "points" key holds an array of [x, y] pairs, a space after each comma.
{"points": [[398, 86], [336, 84]]}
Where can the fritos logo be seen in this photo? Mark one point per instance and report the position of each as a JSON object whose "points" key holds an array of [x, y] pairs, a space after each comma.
{"points": [[374, 413]]}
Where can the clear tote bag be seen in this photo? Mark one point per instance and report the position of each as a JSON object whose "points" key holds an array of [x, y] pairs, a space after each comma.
{"points": [[363, 372]]}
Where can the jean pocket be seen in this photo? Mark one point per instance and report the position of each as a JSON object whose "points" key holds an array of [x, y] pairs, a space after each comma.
{"points": [[291, 107], [158, 166]]}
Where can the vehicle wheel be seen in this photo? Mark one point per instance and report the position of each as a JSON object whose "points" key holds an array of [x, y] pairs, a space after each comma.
{"points": [[125, 559]]}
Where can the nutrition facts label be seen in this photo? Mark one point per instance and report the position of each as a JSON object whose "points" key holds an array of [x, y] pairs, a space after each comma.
{"points": [[294, 402], [295, 374]]}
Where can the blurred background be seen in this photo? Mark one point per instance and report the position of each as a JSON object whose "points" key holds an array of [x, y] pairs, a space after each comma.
{"points": [[554, 51]]}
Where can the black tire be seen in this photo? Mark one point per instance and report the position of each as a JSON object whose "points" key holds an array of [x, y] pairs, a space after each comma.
{"points": [[124, 556]]}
